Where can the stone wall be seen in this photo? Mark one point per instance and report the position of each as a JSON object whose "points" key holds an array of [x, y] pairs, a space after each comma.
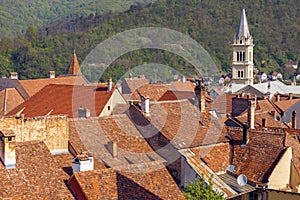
{"points": [[53, 130]]}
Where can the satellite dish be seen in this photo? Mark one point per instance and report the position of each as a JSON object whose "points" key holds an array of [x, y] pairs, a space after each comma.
{"points": [[241, 180]]}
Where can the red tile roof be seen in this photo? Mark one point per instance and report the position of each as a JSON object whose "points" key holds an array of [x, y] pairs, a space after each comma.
{"points": [[181, 124], [259, 157], [153, 92], [32, 86], [223, 103], [9, 99], [74, 66], [153, 182], [286, 104], [37, 175], [216, 157], [129, 85], [64, 99], [182, 86], [95, 136]]}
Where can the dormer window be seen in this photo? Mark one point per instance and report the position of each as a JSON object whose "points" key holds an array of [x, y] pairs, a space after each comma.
{"points": [[9, 139], [241, 41]]}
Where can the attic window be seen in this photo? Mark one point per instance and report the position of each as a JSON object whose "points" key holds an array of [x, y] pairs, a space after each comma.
{"points": [[108, 107], [9, 139]]}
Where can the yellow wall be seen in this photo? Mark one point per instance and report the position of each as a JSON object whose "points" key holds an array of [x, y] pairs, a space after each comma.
{"points": [[116, 98], [53, 130], [280, 176], [279, 195], [295, 178]]}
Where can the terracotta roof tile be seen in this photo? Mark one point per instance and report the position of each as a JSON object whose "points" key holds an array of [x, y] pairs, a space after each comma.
{"points": [[156, 183], [217, 157], [223, 103], [286, 104], [32, 86], [153, 92], [129, 85], [36, 176], [64, 99], [96, 135], [181, 124], [258, 158], [182, 86]]}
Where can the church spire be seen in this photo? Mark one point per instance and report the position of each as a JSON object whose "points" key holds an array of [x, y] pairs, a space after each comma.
{"points": [[243, 31], [74, 67]]}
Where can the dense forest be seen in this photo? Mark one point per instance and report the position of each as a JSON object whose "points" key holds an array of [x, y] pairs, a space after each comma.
{"points": [[17, 15], [274, 25]]}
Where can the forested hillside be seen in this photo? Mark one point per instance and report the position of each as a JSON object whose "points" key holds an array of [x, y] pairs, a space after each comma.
{"points": [[274, 25], [17, 15]]}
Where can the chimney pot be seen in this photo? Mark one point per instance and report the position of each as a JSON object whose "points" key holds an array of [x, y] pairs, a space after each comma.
{"points": [[145, 105], [115, 150], [277, 97], [8, 149], [51, 74], [109, 84], [13, 75], [251, 114]]}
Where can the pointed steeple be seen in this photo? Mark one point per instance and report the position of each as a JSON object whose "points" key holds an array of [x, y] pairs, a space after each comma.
{"points": [[74, 67], [243, 31]]}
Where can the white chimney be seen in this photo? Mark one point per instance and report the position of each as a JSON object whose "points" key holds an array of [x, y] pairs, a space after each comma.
{"points": [[115, 150], [8, 149], [51, 74], [145, 105], [183, 79], [13, 75], [109, 84], [83, 162], [251, 114]]}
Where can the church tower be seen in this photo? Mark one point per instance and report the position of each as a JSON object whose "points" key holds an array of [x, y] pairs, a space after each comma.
{"points": [[242, 63]]}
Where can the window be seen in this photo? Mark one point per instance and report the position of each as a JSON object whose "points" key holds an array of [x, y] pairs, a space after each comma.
{"points": [[108, 107], [9, 139], [243, 56], [240, 74], [241, 41], [250, 56]]}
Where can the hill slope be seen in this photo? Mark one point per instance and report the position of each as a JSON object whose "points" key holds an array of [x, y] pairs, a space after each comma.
{"points": [[17, 15], [213, 23]]}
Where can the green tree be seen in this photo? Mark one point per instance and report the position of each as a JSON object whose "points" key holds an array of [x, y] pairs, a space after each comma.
{"points": [[201, 190]]}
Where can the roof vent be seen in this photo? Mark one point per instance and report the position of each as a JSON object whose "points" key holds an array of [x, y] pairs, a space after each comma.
{"points": [[83, 162]]}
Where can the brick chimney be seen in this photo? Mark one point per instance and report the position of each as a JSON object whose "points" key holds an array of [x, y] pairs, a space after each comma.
{"points": [[294, 119], [251, 114], [83, 162], [8, 149], [51, 74], [13, 75], [200, 93], [109, 84], [290, 96]]}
